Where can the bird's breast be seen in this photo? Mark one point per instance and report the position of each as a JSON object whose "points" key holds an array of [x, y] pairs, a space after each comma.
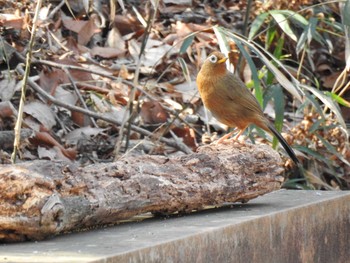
{"points": [[215, 99]]}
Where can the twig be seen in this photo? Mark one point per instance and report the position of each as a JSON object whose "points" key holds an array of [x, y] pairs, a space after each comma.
{"points": [[56, 9], [24, 85], [81, 99], [130, 106], [110, 76], [178, 145], [100, 73]]}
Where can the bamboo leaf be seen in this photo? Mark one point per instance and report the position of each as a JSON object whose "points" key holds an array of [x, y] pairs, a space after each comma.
{"points": [[313, 154], [283, 23], [270, 35], [326, 100], [316, 104], [277, 53], [332, 150], [346, 25], [256, 25], [186, 43], [223, 44], [278, 98], [309, 34], [293, 89], [345, 13], [338, 99], [256, 80], [292, 16], [185, 70]]}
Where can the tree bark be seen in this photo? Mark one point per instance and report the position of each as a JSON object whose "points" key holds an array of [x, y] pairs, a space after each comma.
{"points": [[42, 198]]}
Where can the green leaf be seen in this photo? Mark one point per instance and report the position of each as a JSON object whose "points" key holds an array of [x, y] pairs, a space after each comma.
{"points": [[309, 34], [221, 37], [346, 25], [279, 48], [345, 13], [338, 99], [283, 23], [293, 89], [297, 184], [292, 16], [313, 154], [256, 80], [186, 43], [270, 35], [316, 104], [185, 70], [316, 125], [326, 100], [278, 98], [332, 150], [256, 25], [302, 40], [277, 53]]}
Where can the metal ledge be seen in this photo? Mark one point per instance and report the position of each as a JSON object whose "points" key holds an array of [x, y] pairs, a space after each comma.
{"points": [[284, 226]]}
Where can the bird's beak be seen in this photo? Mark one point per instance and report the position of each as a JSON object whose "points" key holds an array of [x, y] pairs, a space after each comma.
{"points": [[222, 60]]}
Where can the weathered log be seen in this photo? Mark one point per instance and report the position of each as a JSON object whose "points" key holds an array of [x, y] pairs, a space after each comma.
{"points": [[42, 198]]}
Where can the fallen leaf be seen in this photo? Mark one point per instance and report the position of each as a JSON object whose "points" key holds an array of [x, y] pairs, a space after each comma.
{"points": [[7, 109], [152, 112], [7, 88], [84, 29], [115, 39], [41, 112], [88, 30], [74, 136], [189, 91], [107, 52], [11, 20], [44, 138], [188, 136], [178, 2], [127, 24], [114, 111]]}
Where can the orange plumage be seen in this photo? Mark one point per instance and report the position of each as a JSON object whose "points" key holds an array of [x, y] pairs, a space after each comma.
{"points": [[230, 102]]}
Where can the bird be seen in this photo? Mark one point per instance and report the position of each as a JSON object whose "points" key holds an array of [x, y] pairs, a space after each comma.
{"points": [[229, 100]]}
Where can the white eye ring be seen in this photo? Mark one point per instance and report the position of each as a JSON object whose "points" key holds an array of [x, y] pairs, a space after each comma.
{"points": [[213, 59]]}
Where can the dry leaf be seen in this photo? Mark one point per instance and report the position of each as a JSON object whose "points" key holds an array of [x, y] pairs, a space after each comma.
{"points": [[11, 20], [74, 136], [41, 112], [107, 52], [88, 30], [152, 112], [189, 91], [7, 110], [7, 88], [188, 136], [115, 39]]}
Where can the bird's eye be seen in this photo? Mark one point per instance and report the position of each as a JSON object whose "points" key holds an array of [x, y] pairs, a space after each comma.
{"points": [[213, 59]]}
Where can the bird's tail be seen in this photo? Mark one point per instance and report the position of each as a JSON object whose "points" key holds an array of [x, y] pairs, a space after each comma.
{"points": [[288, 149]]}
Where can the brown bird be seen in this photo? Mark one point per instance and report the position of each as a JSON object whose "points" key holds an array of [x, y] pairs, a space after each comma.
{"points": [[230, 101]]}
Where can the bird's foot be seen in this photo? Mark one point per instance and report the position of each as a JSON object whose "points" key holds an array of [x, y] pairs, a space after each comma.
{"points": [[226, 140]]}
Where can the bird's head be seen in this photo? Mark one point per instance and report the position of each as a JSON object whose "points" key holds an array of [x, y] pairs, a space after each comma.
{"points": [[215, 63]]}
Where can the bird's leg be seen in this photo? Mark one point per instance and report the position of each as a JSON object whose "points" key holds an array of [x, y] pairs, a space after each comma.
{"points": [[238, 134], [223, 138], [235, 138]]}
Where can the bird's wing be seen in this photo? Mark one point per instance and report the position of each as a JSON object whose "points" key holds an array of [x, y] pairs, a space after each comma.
{"points": [[238, 92]]}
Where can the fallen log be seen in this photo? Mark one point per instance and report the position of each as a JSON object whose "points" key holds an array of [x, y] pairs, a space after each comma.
{"points": [[43, 198]]}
